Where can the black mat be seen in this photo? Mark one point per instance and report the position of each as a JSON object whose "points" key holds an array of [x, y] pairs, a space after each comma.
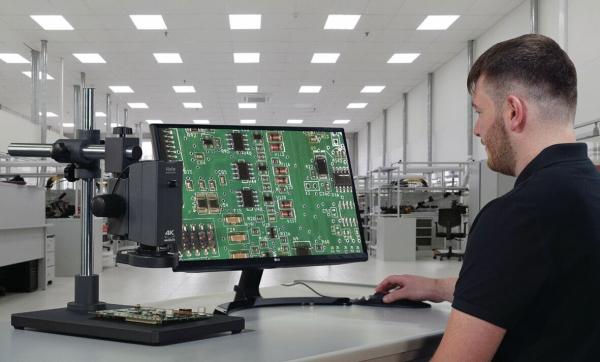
{"points": [[62, 321]]}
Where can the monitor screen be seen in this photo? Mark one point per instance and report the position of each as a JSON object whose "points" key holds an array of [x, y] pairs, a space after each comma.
{"points": [[263, 197]]}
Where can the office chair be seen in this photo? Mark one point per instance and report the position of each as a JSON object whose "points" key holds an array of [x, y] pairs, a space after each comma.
{"points": [[449, 219]]}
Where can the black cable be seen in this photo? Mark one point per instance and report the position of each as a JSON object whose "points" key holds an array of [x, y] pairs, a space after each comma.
{"points": [[119, 179], [306, 285]]}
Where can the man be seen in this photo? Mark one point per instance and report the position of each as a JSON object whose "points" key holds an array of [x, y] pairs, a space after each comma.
{"points": [[529, 286]]}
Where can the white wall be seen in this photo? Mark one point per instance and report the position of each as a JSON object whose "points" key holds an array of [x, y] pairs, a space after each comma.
{"points": [[450, 100], [394, 133], [377, 143], [417, 124], [20, 130], [362, 161]]}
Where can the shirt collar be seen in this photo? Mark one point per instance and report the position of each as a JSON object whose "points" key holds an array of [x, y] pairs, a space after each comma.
{"points": [[553, 154]]}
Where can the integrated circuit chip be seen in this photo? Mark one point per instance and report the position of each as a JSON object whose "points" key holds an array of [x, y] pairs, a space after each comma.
{"points": [[243, 170], [238, 141], [247, 198], [342, 179]]}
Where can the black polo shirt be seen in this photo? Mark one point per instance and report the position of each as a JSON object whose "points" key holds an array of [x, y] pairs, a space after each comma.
{"points": [[532, 264]]}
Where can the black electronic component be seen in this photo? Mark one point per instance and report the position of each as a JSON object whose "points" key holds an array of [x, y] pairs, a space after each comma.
{"points": [[257, 136], [272, 232], [201, 203], [262, 167], [321, 166], [213, 203], [302, 250], [208, 142], [243, 170], [247, 198], [238, 141], [342, 179], [268, 197]]}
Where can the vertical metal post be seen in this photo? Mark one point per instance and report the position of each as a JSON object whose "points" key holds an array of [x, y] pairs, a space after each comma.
{"points": [[139, 131], [108, 129], [62, 96], [43, 92], [125, 116], [429, 118], [87, 192], [35, 99], [470, 124], [563, 8], [77, 106], [535, 7], [368, 146], [384, 138], [404, 130]]}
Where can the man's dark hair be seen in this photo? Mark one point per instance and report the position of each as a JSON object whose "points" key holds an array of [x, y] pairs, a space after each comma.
{"points": [[532, 61]]}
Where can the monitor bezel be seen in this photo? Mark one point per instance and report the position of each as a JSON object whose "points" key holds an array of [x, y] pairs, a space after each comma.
{"points": [[270, 262]]}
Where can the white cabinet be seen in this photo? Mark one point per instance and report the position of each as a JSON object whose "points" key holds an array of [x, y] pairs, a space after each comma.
{"points": [[396, 238]]}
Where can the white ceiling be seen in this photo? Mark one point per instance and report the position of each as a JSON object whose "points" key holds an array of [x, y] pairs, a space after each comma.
{"points": [[292, 30]]}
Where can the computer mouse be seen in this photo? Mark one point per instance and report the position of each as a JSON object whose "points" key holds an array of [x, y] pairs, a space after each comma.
{"points": [[376, 300]]}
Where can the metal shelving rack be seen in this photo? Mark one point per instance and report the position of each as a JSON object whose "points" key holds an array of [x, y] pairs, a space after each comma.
{"points": [[383, 189]]}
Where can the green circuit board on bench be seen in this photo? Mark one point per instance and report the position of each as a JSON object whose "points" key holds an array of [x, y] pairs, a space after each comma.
{"points": [[263, 193]]}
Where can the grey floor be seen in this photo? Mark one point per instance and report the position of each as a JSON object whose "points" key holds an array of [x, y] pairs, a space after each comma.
{"points": [[130, 285]]}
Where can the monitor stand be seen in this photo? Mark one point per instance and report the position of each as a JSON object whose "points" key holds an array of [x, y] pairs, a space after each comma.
{"points": [[248, 296]]}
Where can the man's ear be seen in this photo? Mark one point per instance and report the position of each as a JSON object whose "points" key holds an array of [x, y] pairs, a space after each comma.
{"points": [[516, 112]]}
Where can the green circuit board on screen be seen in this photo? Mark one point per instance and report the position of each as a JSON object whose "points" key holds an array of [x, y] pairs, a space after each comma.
{"points": [[251, 193]]}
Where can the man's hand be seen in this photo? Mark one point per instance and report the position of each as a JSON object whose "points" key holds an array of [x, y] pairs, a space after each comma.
{"points": [[416, 288]]}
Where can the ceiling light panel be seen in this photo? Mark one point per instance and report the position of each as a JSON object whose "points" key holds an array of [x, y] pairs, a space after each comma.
{"points": [[192, 105], [294, 121], [154, 121], [52, 22], [68, 125], [341, 121], [373, 89], [51, 115], [356, 105], [148, 22], [168, 58], [247, 105], [341, 22], [13, 58], [437, 22], [92, 58], [100, 114], [325, 58], [120, 89], [137, 105], [48, 76], [247, 88], [247, 121], [244, 21], [201, 121], [246, 57], [403, 57], [309, 89], [184, 89]]}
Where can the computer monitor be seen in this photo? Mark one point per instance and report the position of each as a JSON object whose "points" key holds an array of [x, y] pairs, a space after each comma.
{"points": [[263, 197]]}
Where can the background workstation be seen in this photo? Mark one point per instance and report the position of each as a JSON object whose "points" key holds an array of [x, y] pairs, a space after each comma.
{"points": [[414, 125]]}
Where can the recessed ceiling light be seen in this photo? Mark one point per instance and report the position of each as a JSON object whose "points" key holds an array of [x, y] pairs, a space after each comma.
{"points": [[89, 57], [137, 105], [247, 121], [247, 88], [13, 58], [49, 114], [120, 89], [246, 57], [168, 57], [325, 57], [148, 22], [113, 125], [309, 89], [68, 125], [373, 89], [28, 74], [437, 22], [244, 21], [403, 58], [341, 121], [192, 105], [52, 22], [294, 121], [356, 105], [154, 121], [341, 22], [184, 89], [247, 105], [201, 121], [100, 114]]}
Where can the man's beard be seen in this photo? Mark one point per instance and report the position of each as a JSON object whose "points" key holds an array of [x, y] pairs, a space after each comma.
{"points": [[501, 156]]}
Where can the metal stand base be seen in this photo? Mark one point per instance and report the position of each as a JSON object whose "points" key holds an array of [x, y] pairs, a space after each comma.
{"points": [[63, 321]]}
